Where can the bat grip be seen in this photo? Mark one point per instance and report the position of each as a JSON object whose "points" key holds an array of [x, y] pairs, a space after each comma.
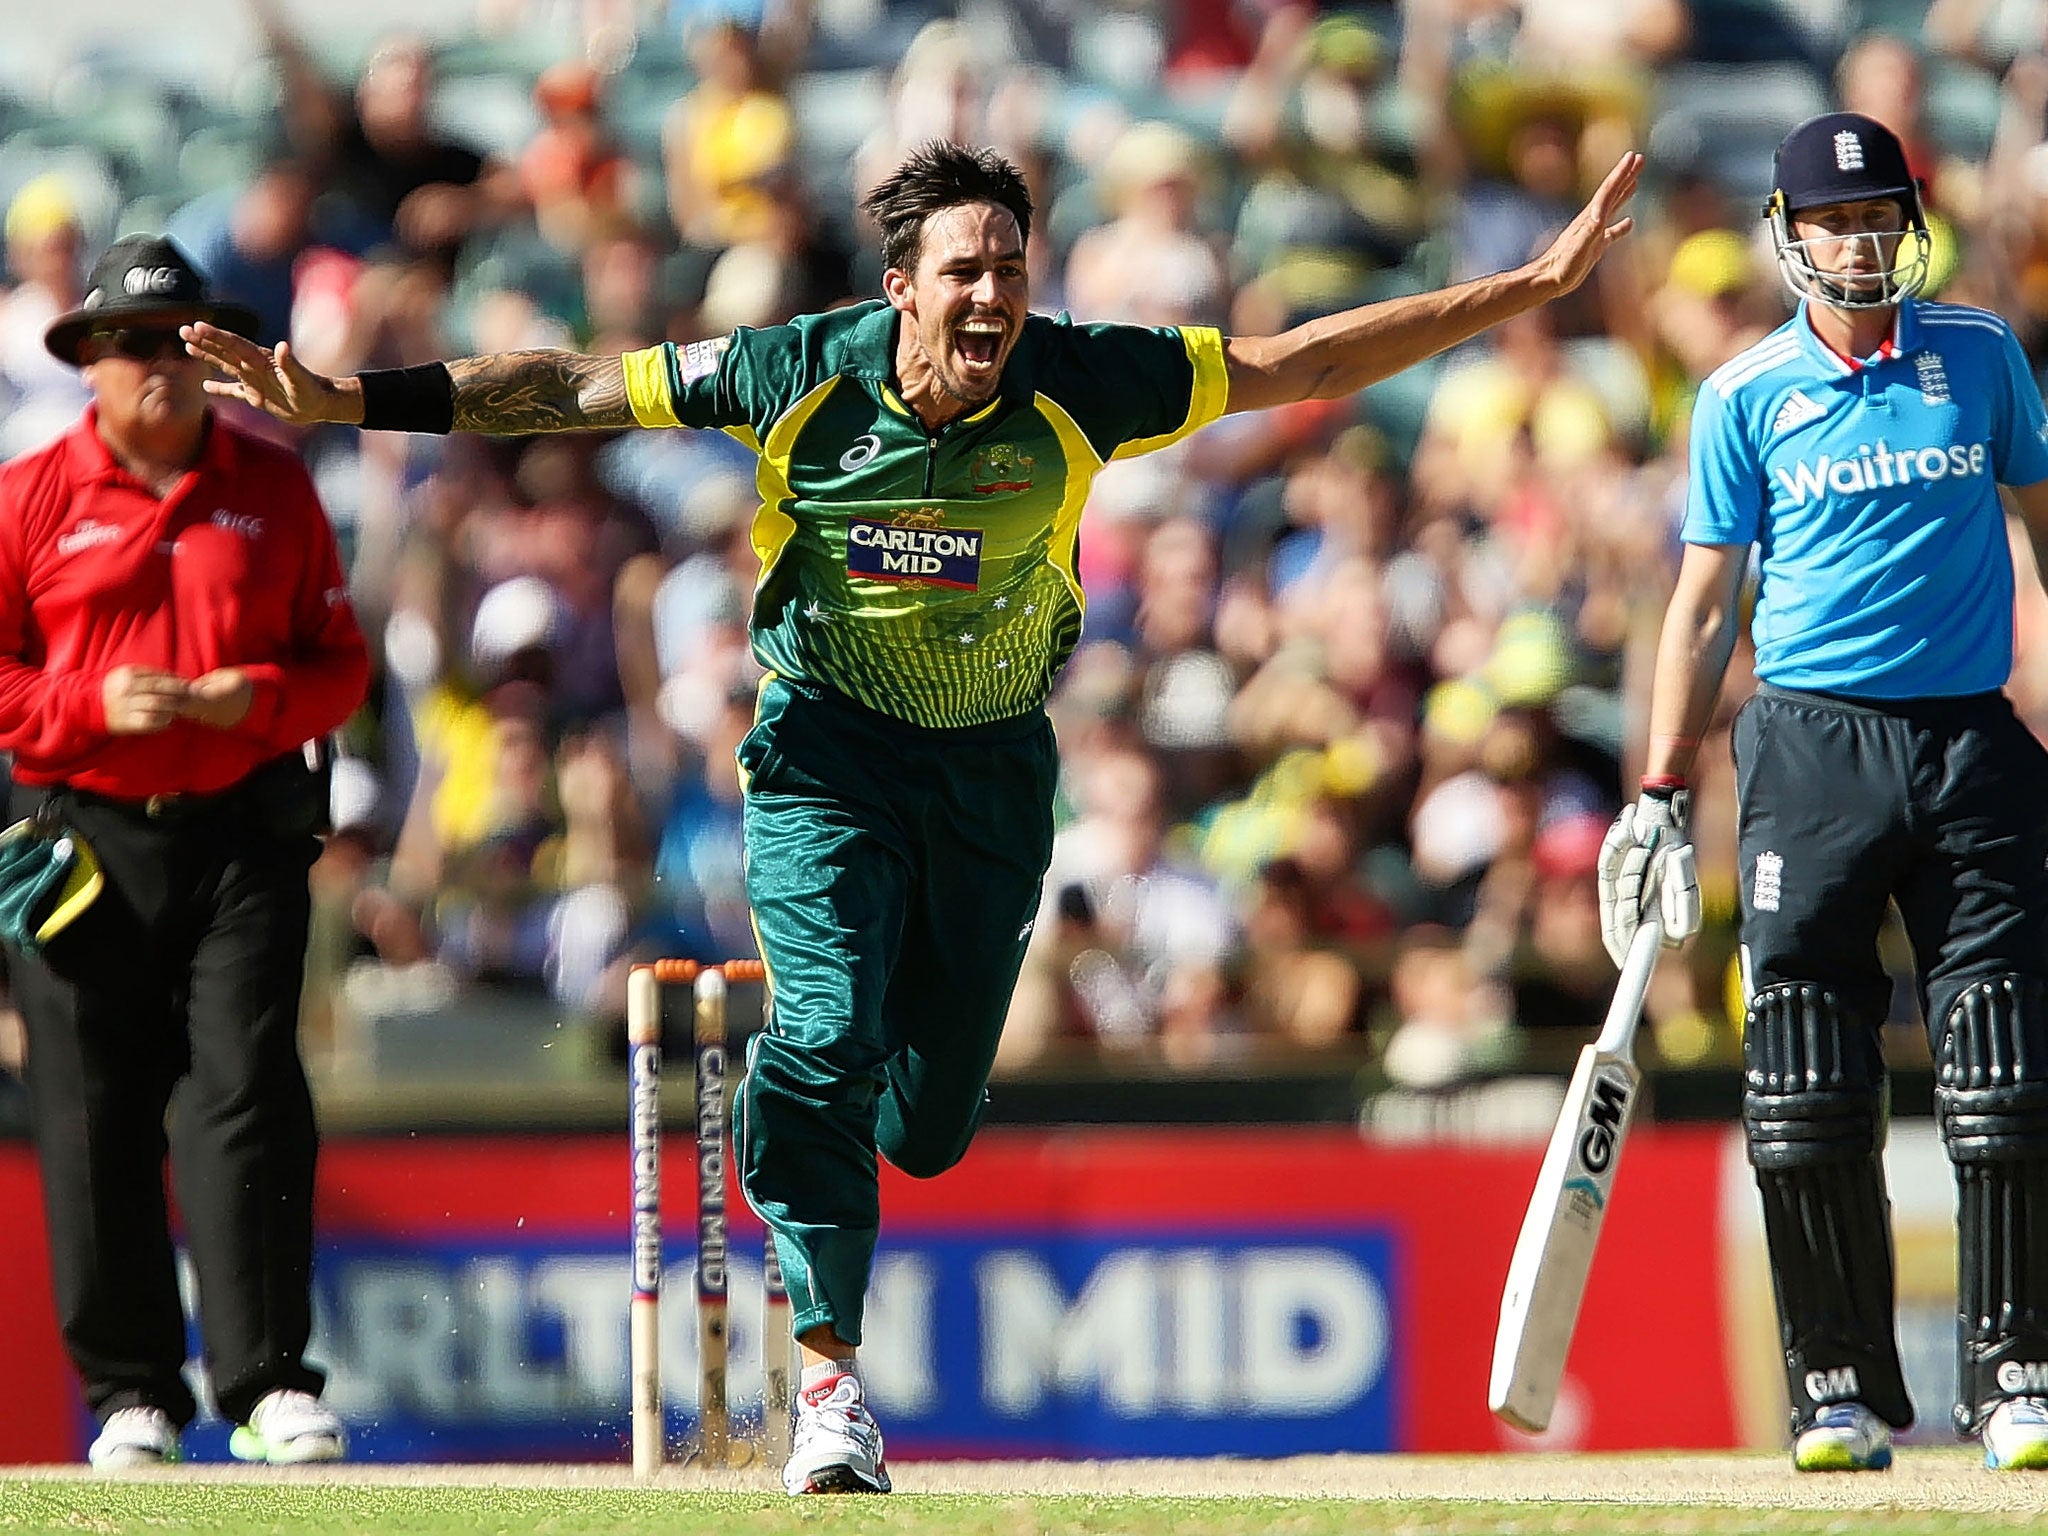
{"points": [[1618, 1030]]}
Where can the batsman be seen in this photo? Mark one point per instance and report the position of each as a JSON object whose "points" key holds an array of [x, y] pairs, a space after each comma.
{"points": [[924, 461], [1859, 451]]}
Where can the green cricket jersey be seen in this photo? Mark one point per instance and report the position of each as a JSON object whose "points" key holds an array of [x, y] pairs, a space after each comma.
{"points": [[929, 575]]}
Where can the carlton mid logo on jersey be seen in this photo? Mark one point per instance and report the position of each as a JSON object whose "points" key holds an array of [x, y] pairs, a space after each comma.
{"points": [[1877, 467], [914, 548]]}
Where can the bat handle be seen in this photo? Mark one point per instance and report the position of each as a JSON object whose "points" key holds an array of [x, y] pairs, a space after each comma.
{"points": [[1618, 1030]]}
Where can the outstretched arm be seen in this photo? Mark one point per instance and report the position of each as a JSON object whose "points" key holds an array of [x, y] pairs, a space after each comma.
{"points": [[1328, 358], [505, 393], [513, 392]]}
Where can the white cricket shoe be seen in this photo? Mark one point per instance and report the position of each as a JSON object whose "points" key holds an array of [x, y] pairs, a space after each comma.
{"points": [[838, 1445], [134, 1437], [287, 1428], [2016, 1436], [1845, 1437]]}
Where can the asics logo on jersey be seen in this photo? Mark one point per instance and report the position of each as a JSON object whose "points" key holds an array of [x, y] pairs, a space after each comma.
{"points": [[1878, 467], [1797, 411], [864, 448]]}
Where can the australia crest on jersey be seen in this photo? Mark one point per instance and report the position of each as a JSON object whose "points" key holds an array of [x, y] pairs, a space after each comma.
{"points": [[914, 547], [1933, 377], [1000, 467]]}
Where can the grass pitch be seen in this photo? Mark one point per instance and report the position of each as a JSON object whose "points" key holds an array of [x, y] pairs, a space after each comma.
{"points": [[1938, 1494]]}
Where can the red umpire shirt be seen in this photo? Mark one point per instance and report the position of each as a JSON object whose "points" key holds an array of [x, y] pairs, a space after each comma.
{"points": [[236, 567]]}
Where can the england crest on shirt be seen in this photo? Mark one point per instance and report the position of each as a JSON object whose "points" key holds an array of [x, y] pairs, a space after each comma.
{"points": [[1933, 377]]}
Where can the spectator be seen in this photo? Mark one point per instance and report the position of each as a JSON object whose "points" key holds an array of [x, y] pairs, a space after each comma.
{"points": [[724, 142], [1157, 909], [571, 173], [1153, 263], [44, 250], [396, 177], [1334, 201], [1568, 35], [252, 239], [1881, 77], [1296, 991]]}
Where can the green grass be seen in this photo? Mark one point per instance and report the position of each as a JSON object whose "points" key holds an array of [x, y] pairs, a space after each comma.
{"points": [[314, 1509]]}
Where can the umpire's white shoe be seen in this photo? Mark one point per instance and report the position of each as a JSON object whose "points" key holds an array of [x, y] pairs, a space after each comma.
{"points": [[134, 1437], [1845, 1437], [287, 1428], [838, 1445], [2016, 1436]]}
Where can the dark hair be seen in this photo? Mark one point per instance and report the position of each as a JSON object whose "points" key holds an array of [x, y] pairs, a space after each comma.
{"points": [[938, 175]]}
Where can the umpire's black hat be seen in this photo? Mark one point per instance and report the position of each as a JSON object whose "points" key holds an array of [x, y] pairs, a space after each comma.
{"points": [[143, 278], [1840, 157]]}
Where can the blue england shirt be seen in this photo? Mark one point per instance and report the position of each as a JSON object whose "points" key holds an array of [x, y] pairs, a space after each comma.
{"points": [[1871, 493]]}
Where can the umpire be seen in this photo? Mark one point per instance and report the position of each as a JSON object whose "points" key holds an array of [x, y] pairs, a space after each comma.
{"points": [[1859, 449], [174, 627]]}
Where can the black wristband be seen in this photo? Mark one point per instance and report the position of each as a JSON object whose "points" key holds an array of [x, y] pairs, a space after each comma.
{"points": [[418, 399]]}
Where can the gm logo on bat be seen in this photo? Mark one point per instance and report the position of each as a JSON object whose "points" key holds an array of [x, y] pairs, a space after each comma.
{"points": [[1596, 1141]]}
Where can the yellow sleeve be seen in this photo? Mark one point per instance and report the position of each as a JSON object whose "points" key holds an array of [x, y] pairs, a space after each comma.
{"points": [[1207, 397], [647, 386]]}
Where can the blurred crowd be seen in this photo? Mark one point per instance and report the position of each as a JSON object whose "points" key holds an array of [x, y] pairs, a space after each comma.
{"points": [[1361, 683]]}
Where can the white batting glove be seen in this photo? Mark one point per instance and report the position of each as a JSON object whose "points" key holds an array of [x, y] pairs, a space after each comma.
{"points": [[1647, 857]]}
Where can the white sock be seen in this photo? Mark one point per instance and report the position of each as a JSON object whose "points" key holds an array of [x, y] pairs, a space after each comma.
{"points": [[825, 1370]]}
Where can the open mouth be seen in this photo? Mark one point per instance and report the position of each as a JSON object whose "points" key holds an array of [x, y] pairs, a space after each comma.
{"points": [[980, 343]]}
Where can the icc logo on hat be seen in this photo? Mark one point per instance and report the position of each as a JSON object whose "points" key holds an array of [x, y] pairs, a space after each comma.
{"points": [[142, 280]]}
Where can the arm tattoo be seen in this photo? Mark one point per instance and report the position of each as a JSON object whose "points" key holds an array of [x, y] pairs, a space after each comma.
{"points": [[510, 393]]}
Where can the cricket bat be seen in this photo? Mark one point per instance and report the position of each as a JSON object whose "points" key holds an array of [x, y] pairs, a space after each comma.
{"points": [[1547, 1276]]}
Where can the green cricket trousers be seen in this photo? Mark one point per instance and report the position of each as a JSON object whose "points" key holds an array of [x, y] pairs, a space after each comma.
{"points": [[894, 871]]}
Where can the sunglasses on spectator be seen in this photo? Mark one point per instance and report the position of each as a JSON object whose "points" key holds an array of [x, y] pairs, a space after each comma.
{"points": [[140, 343]]}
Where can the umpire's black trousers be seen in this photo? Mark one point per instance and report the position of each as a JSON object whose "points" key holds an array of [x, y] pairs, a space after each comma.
{"points": [[176, 996]]}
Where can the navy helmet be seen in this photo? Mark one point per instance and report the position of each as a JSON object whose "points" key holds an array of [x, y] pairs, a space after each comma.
{"points": [[1845, 157]]}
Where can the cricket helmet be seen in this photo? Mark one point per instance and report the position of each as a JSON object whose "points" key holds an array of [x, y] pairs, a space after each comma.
{"points": [[1845, 157]]}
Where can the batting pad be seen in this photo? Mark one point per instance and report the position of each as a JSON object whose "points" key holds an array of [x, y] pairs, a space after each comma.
{"points": [[1992, 1098]]}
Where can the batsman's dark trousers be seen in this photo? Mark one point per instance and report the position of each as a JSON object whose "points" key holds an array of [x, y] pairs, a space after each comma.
{"points": [[174, 998], [894, 872], [1935, 803]]}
